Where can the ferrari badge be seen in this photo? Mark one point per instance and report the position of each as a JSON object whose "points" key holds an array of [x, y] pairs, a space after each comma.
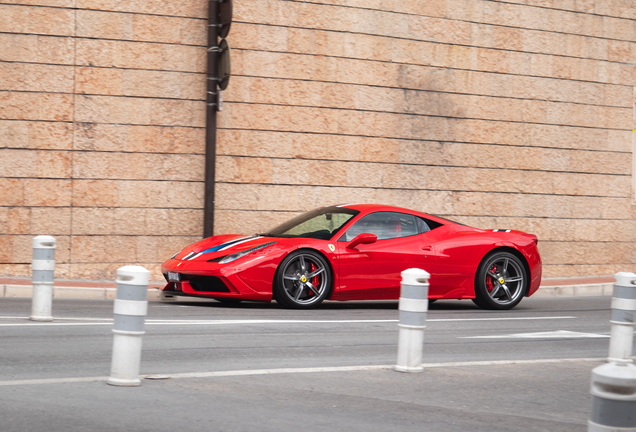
{"points": [[332, 248]]}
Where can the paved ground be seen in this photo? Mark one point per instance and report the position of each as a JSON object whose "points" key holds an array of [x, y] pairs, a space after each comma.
{"points": [[258, 367], [86, 289], [503, 398]]}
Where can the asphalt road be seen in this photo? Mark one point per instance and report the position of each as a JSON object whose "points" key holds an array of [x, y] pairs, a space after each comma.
{"points": [[256, 366]]}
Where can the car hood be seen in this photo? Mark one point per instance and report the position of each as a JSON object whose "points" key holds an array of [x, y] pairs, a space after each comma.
{"points": [[220, 246]]}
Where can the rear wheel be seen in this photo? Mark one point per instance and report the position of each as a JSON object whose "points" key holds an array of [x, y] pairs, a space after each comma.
{"points": [[303, 280], [501, 282]]}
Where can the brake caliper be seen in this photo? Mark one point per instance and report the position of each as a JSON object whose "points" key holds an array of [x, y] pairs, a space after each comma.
{"points": [[489, 284]]}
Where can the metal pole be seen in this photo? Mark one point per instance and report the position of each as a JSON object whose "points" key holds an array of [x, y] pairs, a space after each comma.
{"points": [[622, 321], [413, 307], [43, 266], [131, 308], [613, 392], [210, 126]]}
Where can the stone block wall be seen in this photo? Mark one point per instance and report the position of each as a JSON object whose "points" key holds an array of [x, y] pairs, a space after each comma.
{"points": [[499, 114], [102, 130]]}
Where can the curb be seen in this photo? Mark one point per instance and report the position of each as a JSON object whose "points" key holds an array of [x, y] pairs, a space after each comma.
{"points": [[154, 294], [582, 290], [65, 292]]}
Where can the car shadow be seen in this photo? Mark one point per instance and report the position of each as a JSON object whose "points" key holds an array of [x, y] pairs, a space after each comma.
{"points": [[442, 305]]}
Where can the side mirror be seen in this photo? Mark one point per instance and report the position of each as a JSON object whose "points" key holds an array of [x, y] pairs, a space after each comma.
{"points": [[364, 238]]}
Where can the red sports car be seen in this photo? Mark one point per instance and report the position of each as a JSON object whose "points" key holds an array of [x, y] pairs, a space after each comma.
{"points": [[357, 252]]}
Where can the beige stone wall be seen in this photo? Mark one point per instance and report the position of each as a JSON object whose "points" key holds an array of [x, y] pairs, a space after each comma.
{"points": [[508, 114], [101, 131]]}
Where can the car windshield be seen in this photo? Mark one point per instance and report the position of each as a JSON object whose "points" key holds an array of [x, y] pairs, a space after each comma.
{"points": [[322, 223]]}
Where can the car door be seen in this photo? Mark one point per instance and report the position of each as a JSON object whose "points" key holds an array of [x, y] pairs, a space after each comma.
{"points": [[372, 271], [451, 277]]}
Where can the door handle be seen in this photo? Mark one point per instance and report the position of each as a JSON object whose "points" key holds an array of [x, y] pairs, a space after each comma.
{"points": [[427, 248]]}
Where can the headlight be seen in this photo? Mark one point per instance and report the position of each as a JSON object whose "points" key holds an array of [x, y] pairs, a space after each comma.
{"points": [[238, 255]]}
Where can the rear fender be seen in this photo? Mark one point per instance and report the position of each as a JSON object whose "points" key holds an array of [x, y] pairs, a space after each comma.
{"points": [[507, 247]]}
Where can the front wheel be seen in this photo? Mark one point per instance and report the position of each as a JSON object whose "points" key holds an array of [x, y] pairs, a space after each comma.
{"points": [[302, 280], [501, 282]]}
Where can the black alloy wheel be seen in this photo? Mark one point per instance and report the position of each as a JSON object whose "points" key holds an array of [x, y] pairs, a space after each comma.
{"points": [[501, 282], [303, 280]]}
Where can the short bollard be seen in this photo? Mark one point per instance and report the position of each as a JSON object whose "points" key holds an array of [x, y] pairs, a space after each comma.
{"points": [[613, 398], [623, 311], [413, 307], [43, 266], [131, 307]]}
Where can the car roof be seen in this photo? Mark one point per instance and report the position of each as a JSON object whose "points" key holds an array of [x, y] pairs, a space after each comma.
{"points": [[369, 208], [374, 207]]}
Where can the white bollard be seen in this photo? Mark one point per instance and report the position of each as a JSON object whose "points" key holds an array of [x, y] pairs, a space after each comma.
{"points": [[43, 266], [413, 307], [613, 392], [623, 311], [131, 308]]}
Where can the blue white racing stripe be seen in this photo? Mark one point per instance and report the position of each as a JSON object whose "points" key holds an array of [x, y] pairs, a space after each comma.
{"points": [[190, 256], [236, 242], [228, 244], [221, 247], [193, 255]]}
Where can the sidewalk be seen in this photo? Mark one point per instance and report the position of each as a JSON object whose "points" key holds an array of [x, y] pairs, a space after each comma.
{"points": [[85, 289], [71, 289]]}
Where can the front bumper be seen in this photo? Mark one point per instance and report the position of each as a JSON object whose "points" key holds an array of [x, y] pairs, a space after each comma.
{"points": [[215, 282]]}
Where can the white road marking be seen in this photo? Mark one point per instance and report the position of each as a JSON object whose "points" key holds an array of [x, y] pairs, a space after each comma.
{"points": [[236, 322], [269, 321], [300, 370], [241, 322], [64, 318], [511, 362], [55, 324], [277, 371], [501, 319], [52, 381], [558, 334], [59, 318]]}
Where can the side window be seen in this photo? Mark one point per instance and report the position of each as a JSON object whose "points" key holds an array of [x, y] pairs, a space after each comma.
{"points": [[385, 225], [425, 225]]}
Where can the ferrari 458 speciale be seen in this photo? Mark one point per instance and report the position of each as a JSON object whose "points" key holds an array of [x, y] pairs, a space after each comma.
{"points": [[357, 252]]}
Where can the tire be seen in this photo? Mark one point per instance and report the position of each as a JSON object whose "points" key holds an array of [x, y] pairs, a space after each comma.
{"points": [[432, 301], [303, 280], [501, 282]]}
